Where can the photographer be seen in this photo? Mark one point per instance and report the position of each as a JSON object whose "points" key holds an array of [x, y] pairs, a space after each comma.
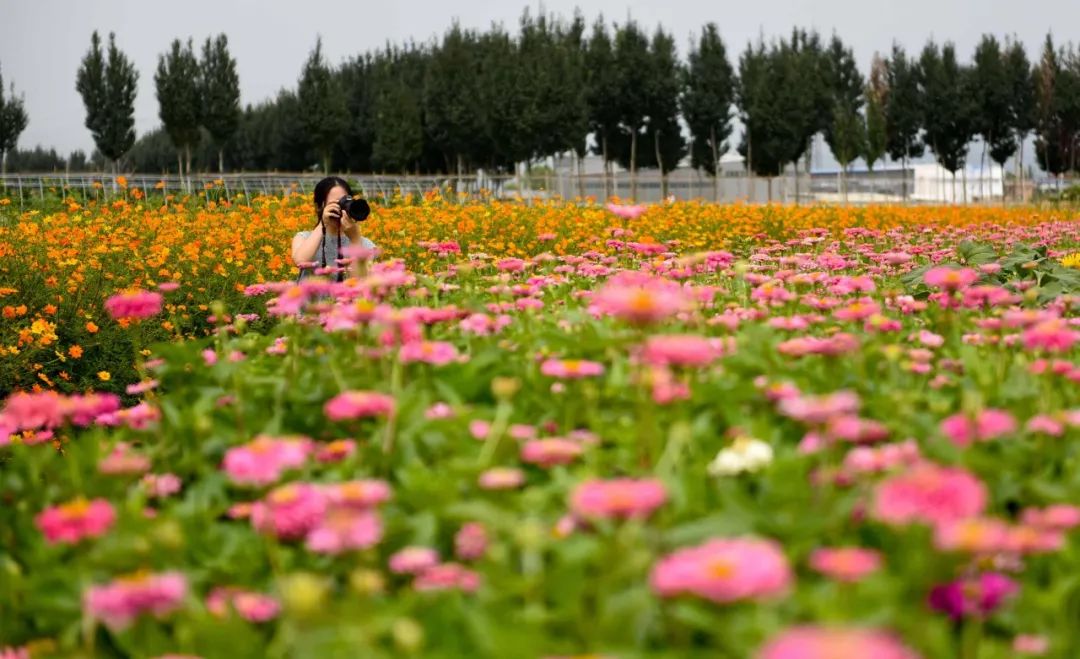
{"points": [[336, 229]]}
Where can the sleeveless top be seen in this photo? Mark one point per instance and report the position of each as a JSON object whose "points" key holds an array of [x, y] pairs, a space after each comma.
{"points": [[331, 249]]}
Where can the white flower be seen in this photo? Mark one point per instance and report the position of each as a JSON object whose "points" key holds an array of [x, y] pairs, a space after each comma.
{"points": [[745, 454]]}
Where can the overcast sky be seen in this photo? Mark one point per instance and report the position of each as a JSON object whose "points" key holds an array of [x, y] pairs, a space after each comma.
{"points": [[43, 41]]}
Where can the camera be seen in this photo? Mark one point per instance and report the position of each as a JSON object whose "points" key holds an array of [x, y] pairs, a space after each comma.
{"points": [[357, 209]]}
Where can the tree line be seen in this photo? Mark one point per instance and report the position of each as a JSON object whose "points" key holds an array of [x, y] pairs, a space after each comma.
{"points": [[559, 87]]}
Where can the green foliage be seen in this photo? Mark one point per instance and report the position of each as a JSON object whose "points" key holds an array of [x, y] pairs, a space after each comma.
{"points": [[904, 106], [180, 97], [707, 98], [107, 86], [1022, 263], [324, 113], [13, 122], [947, 88], [220, 93], [845, 133]]}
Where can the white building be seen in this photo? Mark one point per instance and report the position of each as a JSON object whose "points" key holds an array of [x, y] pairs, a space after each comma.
{"points": [[934, 184]]}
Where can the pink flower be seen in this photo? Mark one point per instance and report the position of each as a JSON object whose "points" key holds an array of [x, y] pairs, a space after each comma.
{"points": [[819, 409], [571, 368], [929, 493], [447, 576], [480, 429], [470, 542], [141, 387], [972, 597], [25, 411], [1031, 644], [8, 652], [550, 452], [1046, 425], [1059, 517], [413, 560], [366, 493], [263, 460], [619, 497], [209, 357], [120, 602], [845, 563], [71, 522], [437, 353], [290, 511], [161, 485], [335, 451], [627, 212], [988, 424], [835, 643], [343, 528], [724, 570], [249, 605], [950, 279], [680, 350], [976, 535], [439, 411], [134, 304], [122, 460], [502, 478], [640, 299], [358, 405], [1052, 335]]}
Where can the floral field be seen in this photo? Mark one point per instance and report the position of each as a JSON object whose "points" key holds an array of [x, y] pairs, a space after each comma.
{"points": [[540, 431]]}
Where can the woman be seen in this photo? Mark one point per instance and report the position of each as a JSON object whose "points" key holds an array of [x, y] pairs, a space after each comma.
{"points": [[335, 230]]}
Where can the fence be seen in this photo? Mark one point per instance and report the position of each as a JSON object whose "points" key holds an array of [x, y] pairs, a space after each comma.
{"points": [[686, 184]]}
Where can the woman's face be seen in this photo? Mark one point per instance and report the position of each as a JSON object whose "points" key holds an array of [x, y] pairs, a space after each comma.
{"points": [[336, 192]]}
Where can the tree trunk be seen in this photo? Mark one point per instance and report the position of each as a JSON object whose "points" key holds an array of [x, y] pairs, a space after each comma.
{"points": [[749, 167], [903, 177], [187, 157], [580, 174], [180, 168], [1020, 176], [963, 184], [770, 189], [796, 181], [715, 164], [607, 171], [633, 165], [3, 162], [660, 164], [221, 161], [982, 174]]}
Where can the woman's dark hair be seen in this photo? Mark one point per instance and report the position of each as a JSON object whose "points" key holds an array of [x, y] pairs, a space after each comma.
{"points": [[322, 190]]}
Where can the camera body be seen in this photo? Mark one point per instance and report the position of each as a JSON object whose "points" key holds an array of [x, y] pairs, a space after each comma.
{"points": [[356, 208]]}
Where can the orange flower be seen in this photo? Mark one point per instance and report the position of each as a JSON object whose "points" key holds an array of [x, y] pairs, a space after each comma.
{"points": [[121, 181], [104, 376], [75, 351], [91, 327], [50, 309]]}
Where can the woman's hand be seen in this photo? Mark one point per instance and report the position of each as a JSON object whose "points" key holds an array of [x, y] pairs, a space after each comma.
{"points": [[331, 213], [349, 226]]}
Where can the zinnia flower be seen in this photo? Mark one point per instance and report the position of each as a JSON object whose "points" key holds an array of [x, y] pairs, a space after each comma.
{"points": [[134, 304], [290, 511], [929, 493], [550, 452], [745, 454], [571, 368], [120, 602], [845, 563], [413, 560], [447, 576], [470, 542], [972, 597], [618, 497], [263, 460], [343, 528], [249, 605], [71, 522], [724, 570], [358, 405], [835, 643]]}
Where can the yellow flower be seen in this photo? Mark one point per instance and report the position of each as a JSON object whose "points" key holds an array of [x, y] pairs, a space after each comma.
{"points": [[104, 376], [1071, 261]]}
